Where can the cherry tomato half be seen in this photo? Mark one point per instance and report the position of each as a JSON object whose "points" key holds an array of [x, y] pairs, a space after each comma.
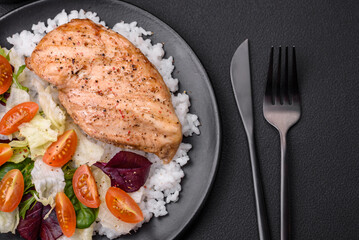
{"points": [[5, 74], [61, 151], [17, 115], [65, 213], [11, 190], [5, 153], [122, 206], [85, 187]]}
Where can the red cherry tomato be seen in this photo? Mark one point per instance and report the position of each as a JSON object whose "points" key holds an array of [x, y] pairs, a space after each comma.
{"points": [[122, 206], [17, 115], [85, 187], [11, 190], [61, 151], [65, 214], [5, 74], [5, 153]]}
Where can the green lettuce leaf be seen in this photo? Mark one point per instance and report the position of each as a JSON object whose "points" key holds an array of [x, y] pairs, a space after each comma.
{"points": [[6, 167], [25, 167], [26, 172], [15, 78], [3, 98], [27, 204], [3, 53]]}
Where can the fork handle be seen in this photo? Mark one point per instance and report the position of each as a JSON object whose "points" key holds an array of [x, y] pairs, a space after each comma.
{"points": [[284, 189]]}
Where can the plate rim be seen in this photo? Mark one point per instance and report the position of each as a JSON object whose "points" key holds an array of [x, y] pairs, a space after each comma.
{"points": [[189, 221]]}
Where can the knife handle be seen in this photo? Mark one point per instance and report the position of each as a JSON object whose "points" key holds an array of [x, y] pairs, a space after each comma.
{"points": [[262, 218]]}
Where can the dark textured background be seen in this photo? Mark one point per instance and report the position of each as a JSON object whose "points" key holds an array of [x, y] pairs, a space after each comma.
{"points": [[323, 146]]}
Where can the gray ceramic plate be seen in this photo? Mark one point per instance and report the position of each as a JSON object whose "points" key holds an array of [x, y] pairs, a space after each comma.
{"points": [[200, 171]]}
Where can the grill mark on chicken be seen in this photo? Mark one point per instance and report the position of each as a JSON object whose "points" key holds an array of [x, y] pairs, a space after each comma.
{"points": [[109, 87]]}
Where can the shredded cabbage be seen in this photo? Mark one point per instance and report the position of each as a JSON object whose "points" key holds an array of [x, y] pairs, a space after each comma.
{"points": [[19, 154], [16, 97], [102, 180], [18, 144], [51, 110], [87, 152], [9, 221], [48, 182], [39, 134], [20, 151]]}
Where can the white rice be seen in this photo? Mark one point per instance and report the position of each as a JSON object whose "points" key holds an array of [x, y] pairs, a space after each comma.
{"points": [[163, 185]]}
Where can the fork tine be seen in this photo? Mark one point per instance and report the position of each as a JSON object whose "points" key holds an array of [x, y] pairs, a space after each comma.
{"points": [[283, 116], [269, 87], [278, 80], [295, 90], [285, 93]]}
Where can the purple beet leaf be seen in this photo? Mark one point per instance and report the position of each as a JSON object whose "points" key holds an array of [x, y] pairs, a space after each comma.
{"points": [[50, 228], [127, 170], [34, 225], [29, 227]]}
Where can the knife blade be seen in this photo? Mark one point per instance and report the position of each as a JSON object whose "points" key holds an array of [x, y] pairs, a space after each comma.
{"points": [[241, 83]]}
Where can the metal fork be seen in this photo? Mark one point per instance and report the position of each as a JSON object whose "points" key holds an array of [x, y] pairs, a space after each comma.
{"points": [[281, 108]]}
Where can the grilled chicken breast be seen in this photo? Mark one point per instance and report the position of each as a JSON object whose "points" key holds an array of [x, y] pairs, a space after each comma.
{"points": [[109, 87]]}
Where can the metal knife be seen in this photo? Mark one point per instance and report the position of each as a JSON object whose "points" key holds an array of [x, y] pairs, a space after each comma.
{"points": [[241, 83]]}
